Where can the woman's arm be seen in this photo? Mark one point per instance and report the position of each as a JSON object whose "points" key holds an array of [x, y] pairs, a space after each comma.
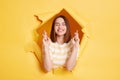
{"points": [[47, 63], [71, 61]]}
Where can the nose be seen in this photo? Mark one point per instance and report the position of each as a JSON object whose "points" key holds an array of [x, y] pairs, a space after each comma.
{"points": [[60, 26]]}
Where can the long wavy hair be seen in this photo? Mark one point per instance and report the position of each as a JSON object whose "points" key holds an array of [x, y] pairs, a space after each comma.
{"points": [[67, 36]]}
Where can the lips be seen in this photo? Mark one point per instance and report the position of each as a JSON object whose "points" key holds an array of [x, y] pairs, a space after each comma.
{"points": [[60, 30]]}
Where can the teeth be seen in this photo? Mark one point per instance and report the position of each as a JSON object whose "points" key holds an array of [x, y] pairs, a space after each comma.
{"points": [[60, 30]]}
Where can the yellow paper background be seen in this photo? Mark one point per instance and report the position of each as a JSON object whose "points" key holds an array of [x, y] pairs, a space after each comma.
{"points": [[101, 56]]}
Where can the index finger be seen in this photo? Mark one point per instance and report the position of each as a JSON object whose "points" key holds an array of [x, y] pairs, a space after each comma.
{"points": [[76, 33], [44, 32]]}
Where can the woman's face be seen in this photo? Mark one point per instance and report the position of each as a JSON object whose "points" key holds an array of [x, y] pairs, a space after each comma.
{"points": [[60, 27]]}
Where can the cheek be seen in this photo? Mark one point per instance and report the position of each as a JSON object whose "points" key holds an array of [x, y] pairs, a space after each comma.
{"points": [[65, 28], [55, 28]]}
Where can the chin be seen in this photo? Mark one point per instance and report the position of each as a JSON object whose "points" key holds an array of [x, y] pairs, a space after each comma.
{"points": [[61, 34]]}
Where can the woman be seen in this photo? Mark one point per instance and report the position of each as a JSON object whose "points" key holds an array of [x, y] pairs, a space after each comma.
{"points": [[60, 50]]}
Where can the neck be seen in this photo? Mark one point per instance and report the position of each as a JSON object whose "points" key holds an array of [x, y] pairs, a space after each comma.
{"points": [[60, 39]]}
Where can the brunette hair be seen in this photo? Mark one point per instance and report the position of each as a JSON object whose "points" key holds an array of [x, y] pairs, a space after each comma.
{"points": [[67, 36]]}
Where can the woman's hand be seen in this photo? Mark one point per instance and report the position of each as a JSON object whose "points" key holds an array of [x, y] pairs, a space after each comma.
{"points": [[46, 40], [75, 39]]}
